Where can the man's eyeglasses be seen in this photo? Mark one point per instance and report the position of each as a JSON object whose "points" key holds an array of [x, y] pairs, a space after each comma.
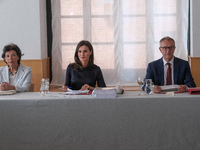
{"points": [[165, 48]]}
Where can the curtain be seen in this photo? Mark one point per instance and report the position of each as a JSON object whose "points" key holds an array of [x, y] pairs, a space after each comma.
{"points": [[125, 34]]}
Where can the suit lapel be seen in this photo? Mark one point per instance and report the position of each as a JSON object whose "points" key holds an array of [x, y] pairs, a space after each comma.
{"points": [[6, 74], [20, 74], [161, 71], [176, 70]]}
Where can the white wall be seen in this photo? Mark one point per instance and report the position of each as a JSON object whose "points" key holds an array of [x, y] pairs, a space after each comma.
{"points": [[23, 22], [195, 28]]}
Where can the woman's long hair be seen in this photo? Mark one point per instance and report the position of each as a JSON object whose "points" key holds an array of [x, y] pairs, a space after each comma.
{"points": [[77, 64]]}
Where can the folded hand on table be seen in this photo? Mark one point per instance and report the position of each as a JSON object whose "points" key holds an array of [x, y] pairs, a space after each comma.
{"points": [[86, 87], [4, 86], [64, 88], [157, 89], [181, 89]]}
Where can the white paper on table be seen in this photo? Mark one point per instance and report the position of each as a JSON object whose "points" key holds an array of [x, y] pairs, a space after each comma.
{"points": [[104, 93], [75, 92], [169, 88], [8, 92]]}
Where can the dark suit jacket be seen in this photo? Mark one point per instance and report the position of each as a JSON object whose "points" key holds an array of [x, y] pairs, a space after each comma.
{"points": [[182, 73]]}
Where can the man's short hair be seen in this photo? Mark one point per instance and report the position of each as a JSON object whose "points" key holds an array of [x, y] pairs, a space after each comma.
{"points": [[168, 39]]}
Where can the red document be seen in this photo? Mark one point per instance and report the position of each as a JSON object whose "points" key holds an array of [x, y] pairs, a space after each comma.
{"points": [[195, 90]]}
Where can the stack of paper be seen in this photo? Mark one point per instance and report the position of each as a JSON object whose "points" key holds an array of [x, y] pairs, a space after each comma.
{"points": [[75, 92], [104, 93], [9, 92], [169, 88], [194, 90]]}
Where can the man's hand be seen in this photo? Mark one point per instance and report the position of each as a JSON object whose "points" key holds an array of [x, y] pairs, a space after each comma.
{"points": [[182, 88], [157, 89]]}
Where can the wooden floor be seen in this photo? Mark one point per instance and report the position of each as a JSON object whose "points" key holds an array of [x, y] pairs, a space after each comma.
{"points": [[54, 88]]}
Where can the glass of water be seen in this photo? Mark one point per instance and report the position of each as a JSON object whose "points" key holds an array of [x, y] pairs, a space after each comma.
{"points": [[148, 86], [140, 81], [47, 85], [44, 89]]}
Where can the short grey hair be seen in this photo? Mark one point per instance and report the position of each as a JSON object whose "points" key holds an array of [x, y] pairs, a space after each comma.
{"points": [[168, 39]]}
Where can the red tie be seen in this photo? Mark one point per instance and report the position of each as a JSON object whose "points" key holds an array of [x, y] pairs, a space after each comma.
{"points": [[169, 75]]}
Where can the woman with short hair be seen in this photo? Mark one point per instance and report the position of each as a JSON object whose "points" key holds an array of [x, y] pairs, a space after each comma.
{"points": [[14, 76]]}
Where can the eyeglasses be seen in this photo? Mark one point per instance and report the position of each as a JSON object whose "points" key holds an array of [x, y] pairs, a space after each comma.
{"points": [[165, 48]]}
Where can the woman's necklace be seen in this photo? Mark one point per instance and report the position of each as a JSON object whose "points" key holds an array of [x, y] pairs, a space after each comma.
{"points": [[13, 73]]}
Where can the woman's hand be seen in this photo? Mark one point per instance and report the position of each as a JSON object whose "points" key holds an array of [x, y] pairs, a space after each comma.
{"points": [[182, 88], [86, 87], [64, 88], [4, 86]]}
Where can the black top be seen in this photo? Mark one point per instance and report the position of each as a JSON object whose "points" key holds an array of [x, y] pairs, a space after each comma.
{"points": [[75, 79]]}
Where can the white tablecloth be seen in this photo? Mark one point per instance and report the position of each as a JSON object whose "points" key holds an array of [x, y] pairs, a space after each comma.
{"points": [[132, 121]]}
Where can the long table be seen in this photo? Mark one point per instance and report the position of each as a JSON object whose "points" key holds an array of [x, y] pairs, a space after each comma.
{"points": [[132, 121]]}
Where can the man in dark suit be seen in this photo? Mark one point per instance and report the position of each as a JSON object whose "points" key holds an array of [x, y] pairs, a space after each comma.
{"points": [[180, 73]]}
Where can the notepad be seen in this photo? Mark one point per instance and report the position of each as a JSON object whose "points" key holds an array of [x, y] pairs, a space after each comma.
{"points": [[9, 92], [75, 92], [104, 93], [195, 90], [168, 88]]}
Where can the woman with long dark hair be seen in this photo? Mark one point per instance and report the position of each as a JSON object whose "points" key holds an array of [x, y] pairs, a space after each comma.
{"points": [[83, 74]]}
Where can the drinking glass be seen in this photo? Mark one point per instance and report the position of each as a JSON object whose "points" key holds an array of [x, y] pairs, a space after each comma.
{"points": [[141, 81], [47, 85], [148, 86], [44, 89]]}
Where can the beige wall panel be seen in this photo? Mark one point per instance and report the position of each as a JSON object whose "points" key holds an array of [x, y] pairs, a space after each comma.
{"points": [[195, 69]]}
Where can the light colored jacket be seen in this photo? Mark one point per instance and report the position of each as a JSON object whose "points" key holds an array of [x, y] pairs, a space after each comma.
{"points": [[23, 79]]}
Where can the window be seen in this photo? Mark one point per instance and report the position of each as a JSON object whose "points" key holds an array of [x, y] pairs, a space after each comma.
{"points": [[125, 34]]}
